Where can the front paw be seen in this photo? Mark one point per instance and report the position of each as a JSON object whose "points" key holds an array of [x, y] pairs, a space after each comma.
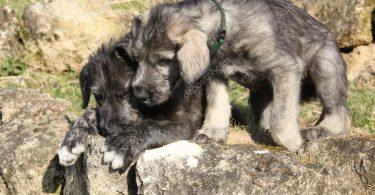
{"points": [[201, 138], [72, 147], [120, 151], [68, 155], [218, 134]]}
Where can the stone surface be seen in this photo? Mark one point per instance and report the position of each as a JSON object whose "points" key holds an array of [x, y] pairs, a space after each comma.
{"points": [[8, 31], [66, 32], [361, 65], [349, 20], [89, 175], [334, 165], [353, 156], [32, 127], [186, 168]]}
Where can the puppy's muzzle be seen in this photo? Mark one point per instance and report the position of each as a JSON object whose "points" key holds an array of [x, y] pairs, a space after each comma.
{"points": [[141, 93]]}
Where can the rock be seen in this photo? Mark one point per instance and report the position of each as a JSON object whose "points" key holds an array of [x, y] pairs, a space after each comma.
{"points": [[353, 156], [334, 165], [349, 20], [8, 32], [88, 175], [66, 32], [3, 187], [361, 65], [31, 129], [186, 168]]}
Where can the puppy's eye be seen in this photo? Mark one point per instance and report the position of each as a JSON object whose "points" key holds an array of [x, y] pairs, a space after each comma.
{"points": [[122, 95], [165, 61], [99, 97]]}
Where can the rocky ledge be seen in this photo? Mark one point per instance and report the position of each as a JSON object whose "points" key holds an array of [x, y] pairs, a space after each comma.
{"points": [[33, 124]]}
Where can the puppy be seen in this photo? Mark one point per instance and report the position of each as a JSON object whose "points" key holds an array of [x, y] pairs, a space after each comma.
{"points": [[272, 47], [130, 126]]}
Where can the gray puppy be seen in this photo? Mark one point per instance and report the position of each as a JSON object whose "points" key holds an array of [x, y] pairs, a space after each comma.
{"points": [[130, 127], [272, 47]]}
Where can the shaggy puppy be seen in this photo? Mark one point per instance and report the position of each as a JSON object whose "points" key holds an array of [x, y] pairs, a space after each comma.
{"points": [[130, 127], [272, 47]]}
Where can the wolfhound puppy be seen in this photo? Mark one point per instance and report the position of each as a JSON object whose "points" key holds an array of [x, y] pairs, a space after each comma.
{"points": [[272, 47], [130, 127]]}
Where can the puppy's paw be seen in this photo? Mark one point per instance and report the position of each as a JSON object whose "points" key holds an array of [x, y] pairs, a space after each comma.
{"points": [[72, 147], [68, 155], [315, 133], [206, 134], [120, 151], [200, 138], [291, 140]]}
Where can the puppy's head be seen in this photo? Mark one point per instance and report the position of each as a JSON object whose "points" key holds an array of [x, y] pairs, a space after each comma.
{"points": [[107, 76], [167, 48]]}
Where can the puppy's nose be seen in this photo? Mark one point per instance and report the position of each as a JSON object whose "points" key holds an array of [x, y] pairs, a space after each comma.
{"points": [[141, 93], [103, 128]]}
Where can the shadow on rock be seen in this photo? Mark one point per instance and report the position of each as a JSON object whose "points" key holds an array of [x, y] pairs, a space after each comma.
{"points": [[53, 177]]}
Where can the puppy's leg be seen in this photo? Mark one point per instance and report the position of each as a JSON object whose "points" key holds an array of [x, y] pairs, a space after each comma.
{"points": [[218, 112], [285, 107], [122, 149], [75, 139], [261, 104], [329, 76]]}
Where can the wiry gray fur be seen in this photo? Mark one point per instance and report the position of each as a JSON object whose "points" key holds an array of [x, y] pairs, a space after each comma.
{"points": [[130, 127], [272, 47]]}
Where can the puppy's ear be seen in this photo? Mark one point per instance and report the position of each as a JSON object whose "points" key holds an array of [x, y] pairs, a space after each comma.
{"points": [[194, 55], [84, 81], [123, 50], [137, 24]]}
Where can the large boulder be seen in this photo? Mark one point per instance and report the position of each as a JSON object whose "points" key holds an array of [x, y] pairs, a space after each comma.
{"points": [[338, 166], [64, 32], [8, 32], [31, 129], [335, 165], [349, 20]]}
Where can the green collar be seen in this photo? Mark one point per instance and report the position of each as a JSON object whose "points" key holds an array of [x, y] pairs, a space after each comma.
{"points": [[222, 32]]}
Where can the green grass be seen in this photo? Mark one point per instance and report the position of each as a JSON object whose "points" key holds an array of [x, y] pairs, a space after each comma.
{"points": [[63, 86], [12, 66], [361, 104], [17, 5], [239, 96]]}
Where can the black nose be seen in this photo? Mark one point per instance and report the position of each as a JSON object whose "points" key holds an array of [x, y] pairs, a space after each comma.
{"points": [[103, 128], [141, 93]]}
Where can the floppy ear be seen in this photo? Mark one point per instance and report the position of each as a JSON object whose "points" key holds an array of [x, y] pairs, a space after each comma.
{"points": [[84, 81], [194, 55], [123, 49]]}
